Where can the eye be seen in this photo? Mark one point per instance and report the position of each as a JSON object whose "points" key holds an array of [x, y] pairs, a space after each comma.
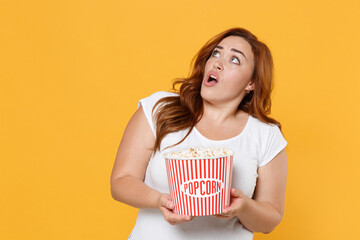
{"points": [[216, 53], [235, 60]]}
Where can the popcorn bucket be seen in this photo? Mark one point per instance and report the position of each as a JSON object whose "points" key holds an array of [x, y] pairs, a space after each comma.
{"points": [[200, 186]]}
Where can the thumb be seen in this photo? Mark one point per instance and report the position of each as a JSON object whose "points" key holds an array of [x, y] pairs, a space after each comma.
{"points": [[236, 193], [167, 202]]}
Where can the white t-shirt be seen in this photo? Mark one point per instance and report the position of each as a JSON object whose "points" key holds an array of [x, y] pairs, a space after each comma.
{"points": [[254, 147]]}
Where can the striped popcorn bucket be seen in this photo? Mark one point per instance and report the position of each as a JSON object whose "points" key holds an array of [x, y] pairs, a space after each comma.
{"points": [[200, 186]]}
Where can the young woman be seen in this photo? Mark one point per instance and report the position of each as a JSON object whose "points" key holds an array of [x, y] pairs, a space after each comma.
{"points": [[224, 102]]}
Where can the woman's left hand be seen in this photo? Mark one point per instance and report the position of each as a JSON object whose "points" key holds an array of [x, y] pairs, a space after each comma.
{"points": [[237, 201]]}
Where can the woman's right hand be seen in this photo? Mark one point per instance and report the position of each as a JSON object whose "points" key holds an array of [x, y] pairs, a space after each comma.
{"points": [[167, 209]]}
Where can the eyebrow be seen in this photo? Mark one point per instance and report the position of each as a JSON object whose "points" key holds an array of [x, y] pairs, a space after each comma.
{"points": [[234, 50]]}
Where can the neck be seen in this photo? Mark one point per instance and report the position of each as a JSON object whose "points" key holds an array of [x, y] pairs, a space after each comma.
{"points": [[220, 113]]}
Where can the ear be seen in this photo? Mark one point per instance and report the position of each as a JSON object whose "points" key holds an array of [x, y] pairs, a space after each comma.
{"points": [[250, 86]]}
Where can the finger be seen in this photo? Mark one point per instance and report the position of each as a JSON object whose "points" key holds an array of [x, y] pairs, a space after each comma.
{"points": [[165, 211], [173, 218], [228, 213], [169, 205], [168, 215], [166, 202], [236, 192], [177, 219]]}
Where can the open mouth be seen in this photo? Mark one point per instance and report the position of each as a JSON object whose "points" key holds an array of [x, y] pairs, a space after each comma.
{"points": [[212, 79]]}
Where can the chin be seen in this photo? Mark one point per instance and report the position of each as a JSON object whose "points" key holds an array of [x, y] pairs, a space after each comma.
{"points": [[204, 93], [208, 95], [215, 97]]}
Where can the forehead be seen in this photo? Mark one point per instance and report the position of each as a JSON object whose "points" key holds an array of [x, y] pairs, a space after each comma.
{"points": [[238, 43]]}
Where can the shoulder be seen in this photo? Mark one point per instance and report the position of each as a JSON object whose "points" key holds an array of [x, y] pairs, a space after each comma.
{"points": [[269, 138], [259, 127], [162, 94], [148, 104], [150, 101], [262, 132]]}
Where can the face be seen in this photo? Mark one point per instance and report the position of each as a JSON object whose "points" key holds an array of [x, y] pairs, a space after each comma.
{"points": [[228, 71]]}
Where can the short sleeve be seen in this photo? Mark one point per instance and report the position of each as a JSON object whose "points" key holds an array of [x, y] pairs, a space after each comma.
{"points": [[148, 104], [272, 142]]}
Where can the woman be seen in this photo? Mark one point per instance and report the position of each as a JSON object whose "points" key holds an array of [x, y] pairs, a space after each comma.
{"points": [[224, 102]]}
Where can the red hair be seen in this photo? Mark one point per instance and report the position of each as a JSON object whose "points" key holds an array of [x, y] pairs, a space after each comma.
{"points": [[185, 111]]}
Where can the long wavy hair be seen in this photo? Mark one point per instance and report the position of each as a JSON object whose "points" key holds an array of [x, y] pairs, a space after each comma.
{"points": [[182, 112]]}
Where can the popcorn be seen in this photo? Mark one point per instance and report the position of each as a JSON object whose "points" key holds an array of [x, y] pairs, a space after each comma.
{"points": [[200, 153], [200, 180]]}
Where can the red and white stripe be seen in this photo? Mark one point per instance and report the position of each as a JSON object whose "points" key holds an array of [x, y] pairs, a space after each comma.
{"points": [[210, 173]]}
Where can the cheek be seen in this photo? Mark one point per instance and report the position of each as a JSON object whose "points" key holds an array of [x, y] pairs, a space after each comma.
{"points": [[237, 81], [240, 77], [207, 67], [236, 77], [208, 63]]}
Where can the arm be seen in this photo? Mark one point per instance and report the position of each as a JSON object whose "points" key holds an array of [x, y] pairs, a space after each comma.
{"points": [[128, 174], [265, 211], [130, 165]]}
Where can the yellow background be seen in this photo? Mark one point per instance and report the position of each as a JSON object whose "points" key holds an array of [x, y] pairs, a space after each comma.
{"points": [[72, 73]]}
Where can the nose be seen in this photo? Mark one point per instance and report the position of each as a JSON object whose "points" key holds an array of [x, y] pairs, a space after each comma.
{"points": [[218, 64]]}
